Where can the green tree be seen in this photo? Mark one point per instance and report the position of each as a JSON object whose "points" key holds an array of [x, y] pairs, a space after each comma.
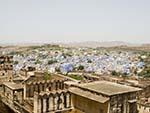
{"points": [[16, 62], [89, 61], [81, 67], [145, 73], [47, 75], [114, 73], [38, 61], [51, 62]]}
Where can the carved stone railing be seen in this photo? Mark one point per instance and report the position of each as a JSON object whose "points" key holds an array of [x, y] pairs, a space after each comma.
{"points": [[43, 86], [56, 101]]}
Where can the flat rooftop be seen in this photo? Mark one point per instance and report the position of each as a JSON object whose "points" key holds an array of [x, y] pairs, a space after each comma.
{"points": [[13, 86], [89, 95], [108, 88]]}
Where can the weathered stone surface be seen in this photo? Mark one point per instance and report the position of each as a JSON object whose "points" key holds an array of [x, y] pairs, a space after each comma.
{"points": [[4, 108]]}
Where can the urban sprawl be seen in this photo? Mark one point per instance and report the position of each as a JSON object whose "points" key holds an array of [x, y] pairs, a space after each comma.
{"points": [[53, 78]]}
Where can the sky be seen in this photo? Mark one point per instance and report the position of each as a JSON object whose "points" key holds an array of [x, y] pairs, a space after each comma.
{"points": [[44, 21]]}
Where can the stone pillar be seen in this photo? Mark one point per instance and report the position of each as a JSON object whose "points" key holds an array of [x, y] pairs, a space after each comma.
{"points": [[108, 110], [62, 101], [65, 100], [22, 96], [50, 86], [44, 105], [39, 106], [58, 102], [63, 85], [40, 87], [51, 103], [4, 90], [47, 104], [71, 100], [59, 84], [36, 104], [36, 88], [45, 86], [54, 104], [68, 100], [13, 95], [53, 85], [30, 90], [127, 108], [125, 105], [33, 85], [25, 91], [56, 86]]}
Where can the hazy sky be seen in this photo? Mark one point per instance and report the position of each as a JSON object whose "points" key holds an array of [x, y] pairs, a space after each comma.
{"points": [[74, 20]]}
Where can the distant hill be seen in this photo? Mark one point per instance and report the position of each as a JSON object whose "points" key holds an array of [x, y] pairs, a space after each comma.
{"points": [[92, 44], [145, 45], [99, 44]]}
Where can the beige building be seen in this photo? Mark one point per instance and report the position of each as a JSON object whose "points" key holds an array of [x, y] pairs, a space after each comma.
{"points": [[6, 68], [104, 97], [40, 92], [57, 94], [13, 92]]}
